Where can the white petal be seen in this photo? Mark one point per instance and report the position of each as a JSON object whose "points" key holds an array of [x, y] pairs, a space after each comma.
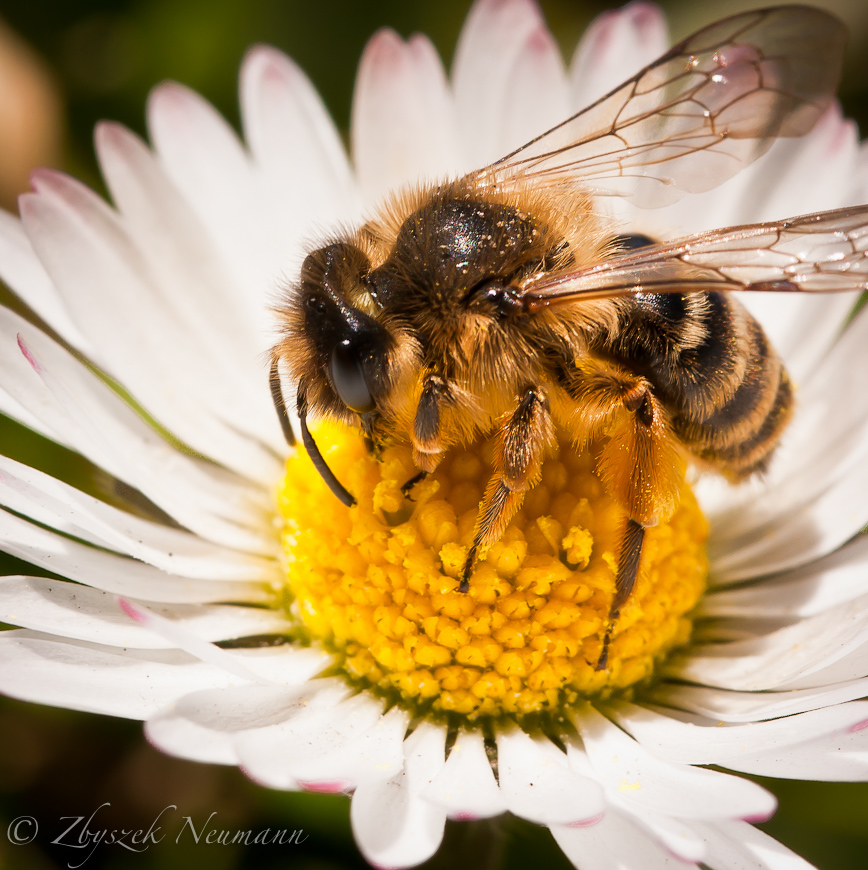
{"points": [[617, 842], [800, 535], [539, 93], [189, 275], [537, 784], [20, 383], [739, 845], [202, 725], [828, 648], [168, 233], [489, 49], [754, 706], [801, 330], [117, 574], [76, 611], [809, 173], [298, 749], [180, 636], [466, 787], [185, 739], [134, 684], [639, 778], [21, 270], [748, 198], [673, 834], [204, 158], [14, 409], [302, 180], [392, 825], [284, 664], [373, 756], [403, 129], [806, 591], [715, 743], [102, 276], [616, 45], [306, 177], [837, 757], [826, 439], [53, 503], [207, 499]]}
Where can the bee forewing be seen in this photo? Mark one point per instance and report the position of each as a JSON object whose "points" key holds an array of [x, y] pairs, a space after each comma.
{"points": [[818, 253], [711, 105]]}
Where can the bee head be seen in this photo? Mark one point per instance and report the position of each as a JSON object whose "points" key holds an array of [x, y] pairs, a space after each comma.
{"points": [[337, 352]]}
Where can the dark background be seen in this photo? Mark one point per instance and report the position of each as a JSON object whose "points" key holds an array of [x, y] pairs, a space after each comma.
{"points": [[103, 57]]}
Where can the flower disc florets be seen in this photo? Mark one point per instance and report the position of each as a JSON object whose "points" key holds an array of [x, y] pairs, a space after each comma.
{"points": [[378, 583]]}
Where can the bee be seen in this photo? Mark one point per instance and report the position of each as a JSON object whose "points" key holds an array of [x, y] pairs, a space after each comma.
{"points": [[502, 303]]}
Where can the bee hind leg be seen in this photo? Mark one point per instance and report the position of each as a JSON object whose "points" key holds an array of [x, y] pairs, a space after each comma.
{"points": [[641, 467], [625, 579], [523, 440]]}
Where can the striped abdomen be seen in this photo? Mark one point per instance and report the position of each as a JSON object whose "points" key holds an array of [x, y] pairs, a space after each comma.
{"points": [[711, 365]]}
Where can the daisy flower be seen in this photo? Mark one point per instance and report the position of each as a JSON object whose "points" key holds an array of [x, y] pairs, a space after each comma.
{"points": [[230, 601]]}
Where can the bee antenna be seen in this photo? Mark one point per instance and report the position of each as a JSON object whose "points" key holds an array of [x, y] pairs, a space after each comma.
{"points": [[279, 404], [316, 457]]}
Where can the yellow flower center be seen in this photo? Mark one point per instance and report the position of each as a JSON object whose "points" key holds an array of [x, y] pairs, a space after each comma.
{"points": [[378, 583]]}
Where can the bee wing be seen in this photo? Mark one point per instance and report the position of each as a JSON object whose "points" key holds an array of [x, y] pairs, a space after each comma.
{"points": [[711, 105], [825, 252]]}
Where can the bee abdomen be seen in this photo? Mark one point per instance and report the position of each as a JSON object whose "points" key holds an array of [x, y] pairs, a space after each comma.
{"points": [[746, 455], [713, 368]]}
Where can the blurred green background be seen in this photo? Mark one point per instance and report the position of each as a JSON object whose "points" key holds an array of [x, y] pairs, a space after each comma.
{"points": [[95, 59]]}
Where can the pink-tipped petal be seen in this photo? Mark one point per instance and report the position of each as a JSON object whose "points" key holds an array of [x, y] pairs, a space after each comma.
{"points": [[392, 824], [466, 787], [80, 410], [488, 50], [403, 130], [615, 46], [537, 783], [639, 778], [616, 842], [182, 638]]}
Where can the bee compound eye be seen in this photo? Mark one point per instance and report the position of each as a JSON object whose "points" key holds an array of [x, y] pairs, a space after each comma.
{"points": [[348, 378], [633, 241]]}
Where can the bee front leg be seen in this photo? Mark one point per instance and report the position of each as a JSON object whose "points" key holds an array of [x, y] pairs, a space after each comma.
{"points": [[407, 488], [427, 434], [523, 440]]}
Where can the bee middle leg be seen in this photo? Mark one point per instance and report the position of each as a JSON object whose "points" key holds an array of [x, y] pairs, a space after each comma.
{"points": [[523, 440]]}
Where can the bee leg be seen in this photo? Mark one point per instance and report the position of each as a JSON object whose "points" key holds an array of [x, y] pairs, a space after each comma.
{"points": [[279, 404], [523, 440], [368, 421], [427, 427], [628, 570], [642, 468], [407, 488]]}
